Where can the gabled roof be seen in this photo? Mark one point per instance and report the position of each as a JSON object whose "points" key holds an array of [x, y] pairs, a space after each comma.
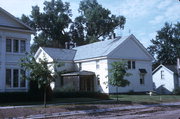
{"points": [[94, 50], [25, 27], [97, 49], [60, 54], [103, 48], [172, 68]]}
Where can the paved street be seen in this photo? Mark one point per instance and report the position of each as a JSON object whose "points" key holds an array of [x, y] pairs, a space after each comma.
{"points": [[147, 113]]}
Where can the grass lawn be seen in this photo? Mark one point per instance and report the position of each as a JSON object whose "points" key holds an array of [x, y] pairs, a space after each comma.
{"points": [[54, 101], [147, 98], [123, 99]]}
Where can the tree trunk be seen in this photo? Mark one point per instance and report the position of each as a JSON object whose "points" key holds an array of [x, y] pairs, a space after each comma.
{"points": [[117, 92], [45, 96]]}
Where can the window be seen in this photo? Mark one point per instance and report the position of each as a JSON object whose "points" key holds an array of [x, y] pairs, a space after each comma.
{"points": [[8, 45], [142, 75], [22, 46], [15, 45], [97, 64], [22, 79], [8, 78], [15, 78], [131, 64], [162, 74]]}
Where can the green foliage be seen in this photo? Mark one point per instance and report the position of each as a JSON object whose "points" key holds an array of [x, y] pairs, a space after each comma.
{"points": [[54, 26], [95, 22], [118, 74], [38, 71], [176, 91], [51, 24], [166, 46]]}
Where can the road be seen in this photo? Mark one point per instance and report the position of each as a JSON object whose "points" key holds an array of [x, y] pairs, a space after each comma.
{"points": [[165, 112]]}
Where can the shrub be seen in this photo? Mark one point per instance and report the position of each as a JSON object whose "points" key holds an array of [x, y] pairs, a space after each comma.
{"points": [[13, 97], [81, 94], [176, 91]]}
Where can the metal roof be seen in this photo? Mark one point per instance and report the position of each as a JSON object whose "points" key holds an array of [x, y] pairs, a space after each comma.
{"points": [[97, 49], [60, 54]]}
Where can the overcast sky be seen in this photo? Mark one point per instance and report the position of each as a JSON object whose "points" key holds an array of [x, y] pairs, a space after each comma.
{"points": [[143, 17]]}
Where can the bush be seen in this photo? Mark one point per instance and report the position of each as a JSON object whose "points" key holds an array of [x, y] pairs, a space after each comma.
{"points": [[37, 94], [14, 97], [176, 91], [81, 95]]}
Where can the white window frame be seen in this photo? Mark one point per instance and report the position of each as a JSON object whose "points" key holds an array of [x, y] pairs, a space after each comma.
{"points": [[131, 64], [19, 79], [19, 45]]}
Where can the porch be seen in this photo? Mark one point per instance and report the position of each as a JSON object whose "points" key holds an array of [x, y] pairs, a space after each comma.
{"points": [[81, 81]]}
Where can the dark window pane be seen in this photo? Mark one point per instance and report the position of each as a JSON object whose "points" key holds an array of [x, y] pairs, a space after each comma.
{"points": [[16, 46], [129, 64], [142, 78], [8, 45], [8, 78], [23, 46], [23, 81], [133, 64], [15, 78]]}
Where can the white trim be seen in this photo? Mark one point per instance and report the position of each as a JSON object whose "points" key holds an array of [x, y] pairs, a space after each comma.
{"points": [[90, 59], [17, 20], [132, 59], [159, 67]]}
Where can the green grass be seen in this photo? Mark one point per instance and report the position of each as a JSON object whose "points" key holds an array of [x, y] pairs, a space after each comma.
{"points": [[54, 101], [124, 99], [147, 98]]}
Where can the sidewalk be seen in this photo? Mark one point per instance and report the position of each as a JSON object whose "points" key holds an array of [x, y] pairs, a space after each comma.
{"points": [[61, 114]]}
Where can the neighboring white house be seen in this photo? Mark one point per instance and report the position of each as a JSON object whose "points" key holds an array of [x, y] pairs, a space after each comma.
{"points": [[90, 64], [14, 43], [165, 79]]}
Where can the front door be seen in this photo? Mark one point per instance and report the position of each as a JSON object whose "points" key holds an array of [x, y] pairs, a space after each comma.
{"points": [[86, 83]]}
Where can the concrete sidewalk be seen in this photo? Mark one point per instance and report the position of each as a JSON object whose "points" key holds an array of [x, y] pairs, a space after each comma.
{"points": [[61, 114]]}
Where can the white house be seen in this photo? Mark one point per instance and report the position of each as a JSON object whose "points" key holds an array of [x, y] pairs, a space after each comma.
{"points": [[165, 79], [14, 43], [90, 64]]}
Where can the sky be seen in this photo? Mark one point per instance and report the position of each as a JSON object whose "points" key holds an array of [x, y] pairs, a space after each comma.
{"points": [[143, 17]]}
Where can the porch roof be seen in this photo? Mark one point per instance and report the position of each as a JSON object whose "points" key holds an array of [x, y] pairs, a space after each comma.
{"points": [[79, 73]]}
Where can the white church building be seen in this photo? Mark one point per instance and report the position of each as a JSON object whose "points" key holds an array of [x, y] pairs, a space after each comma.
{"points": [[86, 68], [15, 39]]}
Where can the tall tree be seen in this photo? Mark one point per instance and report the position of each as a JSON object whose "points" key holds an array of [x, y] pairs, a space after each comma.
{"points": [[40, 72], [118, 75], [95, 22], [51, 24], [166, 46]]}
